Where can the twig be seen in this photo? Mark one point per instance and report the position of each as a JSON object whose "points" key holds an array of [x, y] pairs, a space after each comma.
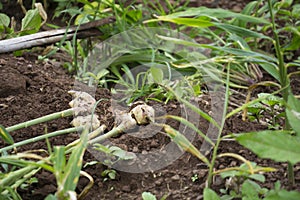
{"points": [[52, 36]]}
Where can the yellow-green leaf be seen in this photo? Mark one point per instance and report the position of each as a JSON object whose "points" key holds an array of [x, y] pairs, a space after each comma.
{"points": [[5, 135], [184, 143]]}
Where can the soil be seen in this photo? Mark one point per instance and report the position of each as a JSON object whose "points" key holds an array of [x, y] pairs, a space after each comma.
{"points": [[30, 89]]}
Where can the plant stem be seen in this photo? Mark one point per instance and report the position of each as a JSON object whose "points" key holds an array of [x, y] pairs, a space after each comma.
{"points": [[284, 82], [91, 135], [115, 131], [45, 118], [41, 137], [215, 151]]}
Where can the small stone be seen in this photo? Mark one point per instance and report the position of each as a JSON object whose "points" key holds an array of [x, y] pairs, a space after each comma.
{"points": [[135, 149], [123, 146], [221, 166], [233, 163], [154, 144], [126, 188], [237, 8], [144, 152], [218, 181], [158, 181], [175, 177]]}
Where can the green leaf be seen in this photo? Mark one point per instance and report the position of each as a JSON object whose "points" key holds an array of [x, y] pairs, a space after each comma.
{"points": [[209, 194], [270, 99], [249, 8], [296, 11], [192, 126], [250, 190], [184, 143], [258, 177], [271, 69], [148, 196], [277, 145], [157, 74], [4, 20], [124, 155], [240, 31], [217, 13], [73, 167], [51, 197], [282, 195], [31, 23], [293, 113], [5, 135], [200, 23], [59, 162]]}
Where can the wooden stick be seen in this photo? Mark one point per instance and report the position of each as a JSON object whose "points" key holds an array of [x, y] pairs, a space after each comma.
{"points": [[52, 36]]}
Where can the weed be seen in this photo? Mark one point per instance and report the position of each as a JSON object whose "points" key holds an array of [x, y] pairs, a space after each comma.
{"points": [[109, 174]]}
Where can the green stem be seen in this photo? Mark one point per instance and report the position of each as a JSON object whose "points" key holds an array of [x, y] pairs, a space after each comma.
{"points": [[41, 137], [115, 131], [46, 118], [216, 147], [284, 81]]}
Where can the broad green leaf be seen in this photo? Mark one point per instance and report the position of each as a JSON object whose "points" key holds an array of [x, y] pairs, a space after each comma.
{"points": [[258, 177], [31, 23], [209, 194], [293, 113], [276, 145], [148, 196], [157, 74], [5, 135], [250, 190], [4, 20]]}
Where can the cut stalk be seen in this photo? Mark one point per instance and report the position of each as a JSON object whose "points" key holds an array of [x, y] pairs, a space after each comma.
{"points": [[65, 113], [41, 137]]}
